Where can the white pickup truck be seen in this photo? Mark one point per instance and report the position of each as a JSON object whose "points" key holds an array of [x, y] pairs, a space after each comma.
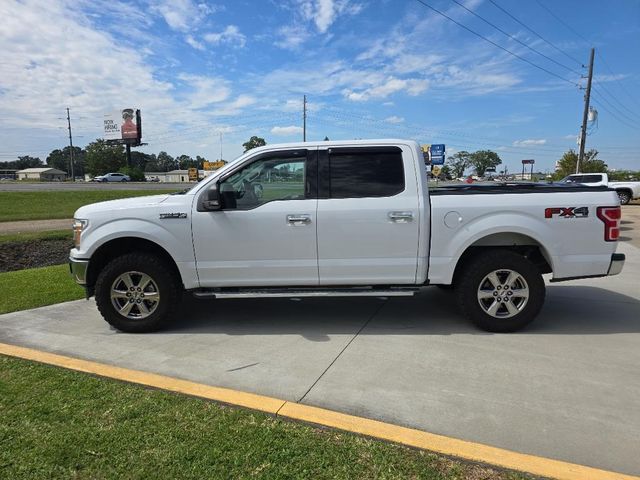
{"points": [[353, 218], [626, 191]]}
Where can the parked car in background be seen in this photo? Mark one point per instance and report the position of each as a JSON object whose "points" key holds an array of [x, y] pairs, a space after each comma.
{"points": [[112, 177], [626, 191]]}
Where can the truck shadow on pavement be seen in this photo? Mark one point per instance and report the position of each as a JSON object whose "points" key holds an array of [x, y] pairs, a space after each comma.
{"points": [[569, 309]]}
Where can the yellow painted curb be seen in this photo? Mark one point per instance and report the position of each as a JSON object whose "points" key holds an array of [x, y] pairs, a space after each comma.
{"points": [[224, 395], [478, 452]]}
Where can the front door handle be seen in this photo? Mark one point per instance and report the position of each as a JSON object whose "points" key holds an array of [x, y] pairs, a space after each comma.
{"points": [[299, 219], [401, 217]]}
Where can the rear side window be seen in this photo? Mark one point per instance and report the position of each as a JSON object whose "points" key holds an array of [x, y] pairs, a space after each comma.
{"points": [[365, 174], [591, 178]]}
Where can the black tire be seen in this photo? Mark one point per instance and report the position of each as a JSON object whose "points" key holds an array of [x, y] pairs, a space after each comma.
{"points": [[134, 266], [624, 196], [508, 315], [446, 288]]}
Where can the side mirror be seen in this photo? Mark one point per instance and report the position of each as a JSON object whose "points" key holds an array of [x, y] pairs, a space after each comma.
{"points": [[212, 201]]}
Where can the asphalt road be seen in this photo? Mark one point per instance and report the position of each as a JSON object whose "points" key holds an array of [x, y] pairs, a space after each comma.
{"points": [[67, 186], [567, 387]]}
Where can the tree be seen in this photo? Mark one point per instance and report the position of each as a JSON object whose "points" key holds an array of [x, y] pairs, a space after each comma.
{"points": [[28, 162], [185, 161], [165, 162], [590, 164], [61, 159], [445, 173], [254, 142], [104, 158], [458, 163], [483, 159]]}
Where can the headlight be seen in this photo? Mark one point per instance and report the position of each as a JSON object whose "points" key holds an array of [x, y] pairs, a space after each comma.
{"points": [[78, 228]]}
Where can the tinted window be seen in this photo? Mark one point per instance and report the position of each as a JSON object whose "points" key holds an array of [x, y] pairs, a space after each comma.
{"points": [[591, 178], [366, 174]]}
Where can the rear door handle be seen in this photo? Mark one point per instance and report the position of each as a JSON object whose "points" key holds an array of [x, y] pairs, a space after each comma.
{"points": [[401, 217], [299, 219]]}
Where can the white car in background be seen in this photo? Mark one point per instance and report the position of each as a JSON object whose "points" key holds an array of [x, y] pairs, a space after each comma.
{"points": [[112, 177], [626, 191]]}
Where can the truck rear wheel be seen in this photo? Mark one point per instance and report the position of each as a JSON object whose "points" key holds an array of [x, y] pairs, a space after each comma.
{"points": [[136, 292], [624, 196], [500, 291]]}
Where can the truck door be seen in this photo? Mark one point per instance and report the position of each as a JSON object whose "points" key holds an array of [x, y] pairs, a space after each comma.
{"points": [[368, 216], [265, 234]]}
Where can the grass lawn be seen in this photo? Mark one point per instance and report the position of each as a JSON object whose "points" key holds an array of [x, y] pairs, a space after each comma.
{"points": [[29, 236], [48, 205], [36, 287], [57, 423]]}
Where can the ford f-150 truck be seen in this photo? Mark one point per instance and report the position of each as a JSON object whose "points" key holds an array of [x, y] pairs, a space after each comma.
{"points": [[626, 191], [352, 218]]}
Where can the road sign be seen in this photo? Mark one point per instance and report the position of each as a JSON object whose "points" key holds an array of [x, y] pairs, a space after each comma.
{"points": [[437, 159], [437, 149], [435, 171], [193, 174]]}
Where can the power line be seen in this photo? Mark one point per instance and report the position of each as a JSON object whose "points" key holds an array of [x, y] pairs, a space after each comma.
{"points": [[620, 84], [422, 2], [537, 34], [514, 38], [624, 122], [603, 89], [561, 21]]}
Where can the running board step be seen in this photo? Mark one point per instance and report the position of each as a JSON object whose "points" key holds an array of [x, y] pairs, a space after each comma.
{"points": [[291, 293]]}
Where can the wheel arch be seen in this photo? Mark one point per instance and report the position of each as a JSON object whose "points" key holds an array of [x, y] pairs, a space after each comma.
{"points": [[520, 243], [121, 245]]}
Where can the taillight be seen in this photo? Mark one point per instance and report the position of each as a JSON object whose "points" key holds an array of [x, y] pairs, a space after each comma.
{"points": [[611, 218]]}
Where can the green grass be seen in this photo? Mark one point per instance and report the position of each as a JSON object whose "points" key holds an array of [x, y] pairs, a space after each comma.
{"points": [[37, 287], [46, 235], [48, 205], [57, 423]]}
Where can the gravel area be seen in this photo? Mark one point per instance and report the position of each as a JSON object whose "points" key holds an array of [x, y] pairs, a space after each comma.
{"points": [[33, 253]]}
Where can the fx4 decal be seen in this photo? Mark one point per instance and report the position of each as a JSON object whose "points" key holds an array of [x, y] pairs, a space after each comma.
{"points": [[566, 212]]}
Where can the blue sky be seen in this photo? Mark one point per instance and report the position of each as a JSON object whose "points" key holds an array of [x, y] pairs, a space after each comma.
{"points": [[370, 69]]}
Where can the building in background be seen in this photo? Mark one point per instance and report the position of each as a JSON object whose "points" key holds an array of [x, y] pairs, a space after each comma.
{"points": [[44, 174]]}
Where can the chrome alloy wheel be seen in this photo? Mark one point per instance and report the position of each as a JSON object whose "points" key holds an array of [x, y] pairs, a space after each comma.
{"points": [[503, 293], [135, 295]]}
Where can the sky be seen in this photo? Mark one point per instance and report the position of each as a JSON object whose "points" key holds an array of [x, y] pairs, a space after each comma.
{"points": [[208, 75]]}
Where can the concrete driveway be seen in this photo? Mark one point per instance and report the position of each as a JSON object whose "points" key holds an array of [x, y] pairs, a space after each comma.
{"points": [[567, 388]]}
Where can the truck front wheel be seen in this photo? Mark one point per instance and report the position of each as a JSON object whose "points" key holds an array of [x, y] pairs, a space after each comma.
{"points": [[136, 292], [500, 291]]}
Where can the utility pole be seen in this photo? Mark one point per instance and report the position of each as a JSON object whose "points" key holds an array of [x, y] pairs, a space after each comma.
{"points": [[220, 146], [585, 116], [304, 118], [73, 177]]}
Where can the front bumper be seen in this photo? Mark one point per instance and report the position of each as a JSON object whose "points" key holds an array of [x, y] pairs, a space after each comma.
{"points": [[78, 270], [617, 262]]}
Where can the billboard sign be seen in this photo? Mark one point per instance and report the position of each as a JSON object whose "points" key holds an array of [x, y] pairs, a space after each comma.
{"points": [[433, 154], [528, 162], [123, 126]]}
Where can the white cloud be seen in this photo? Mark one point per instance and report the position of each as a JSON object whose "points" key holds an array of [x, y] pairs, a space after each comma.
{"points": [[394, 119], [194, 43], [230, 35], [286, 131], [204, 90], [182, 15], [292, 36], [391, 85], [529, 142]]}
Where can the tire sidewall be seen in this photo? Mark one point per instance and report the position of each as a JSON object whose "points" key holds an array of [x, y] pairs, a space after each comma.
{"points": [[624, 197], [478, 269], [139, 262]]}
